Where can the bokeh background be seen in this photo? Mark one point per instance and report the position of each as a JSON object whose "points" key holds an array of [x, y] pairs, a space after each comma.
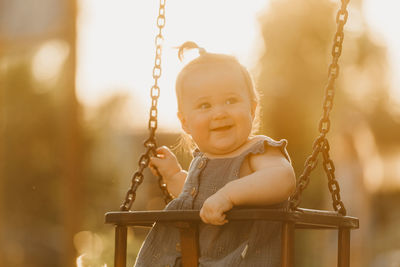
{"points": [[75, 77]]}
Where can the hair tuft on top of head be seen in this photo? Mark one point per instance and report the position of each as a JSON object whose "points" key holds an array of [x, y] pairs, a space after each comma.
{"points": [[187, 46]]}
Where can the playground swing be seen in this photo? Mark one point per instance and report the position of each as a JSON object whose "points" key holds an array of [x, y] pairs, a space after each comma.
{"points": [[291, 218]]}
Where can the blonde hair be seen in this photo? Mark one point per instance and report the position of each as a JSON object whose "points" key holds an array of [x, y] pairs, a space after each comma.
{"points": [[210, 59]]}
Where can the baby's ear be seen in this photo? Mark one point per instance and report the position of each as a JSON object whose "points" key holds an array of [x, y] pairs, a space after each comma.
{"points": [[183, 122]]}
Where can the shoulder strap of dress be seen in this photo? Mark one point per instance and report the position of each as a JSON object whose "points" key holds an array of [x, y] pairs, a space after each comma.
{"points": [[263, 143]]}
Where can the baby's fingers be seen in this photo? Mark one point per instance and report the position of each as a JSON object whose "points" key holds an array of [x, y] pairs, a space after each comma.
{"points": [[155, 161], [220, 220], [153, 169], [211, 217], [163, 151], [160, 163], [203, 216]]}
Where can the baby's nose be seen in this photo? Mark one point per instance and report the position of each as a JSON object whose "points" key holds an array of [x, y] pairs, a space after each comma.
{"points": [[219, 112]]}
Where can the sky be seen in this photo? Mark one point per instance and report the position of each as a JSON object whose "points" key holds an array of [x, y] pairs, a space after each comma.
{"points": [[116, 45]]}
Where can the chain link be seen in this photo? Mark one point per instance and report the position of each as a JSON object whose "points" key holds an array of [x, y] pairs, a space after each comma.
{"points": [[150, 144], [333, 184], [321, 144]]}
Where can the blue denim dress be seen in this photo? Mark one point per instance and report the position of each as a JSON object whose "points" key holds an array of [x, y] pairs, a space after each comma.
{"points": [[240, 243]]}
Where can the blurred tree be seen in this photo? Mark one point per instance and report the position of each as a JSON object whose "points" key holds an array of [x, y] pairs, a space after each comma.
{"points": [[293, 72], [70, 140], [40, 133], [292, 75], [31, 218], [2, 146]]}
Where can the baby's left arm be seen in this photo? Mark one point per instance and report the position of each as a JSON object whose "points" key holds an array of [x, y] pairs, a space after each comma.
{"points": [[272, 181]]}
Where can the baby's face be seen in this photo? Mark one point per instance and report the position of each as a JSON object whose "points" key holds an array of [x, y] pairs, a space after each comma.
{"points": [[216, 109]]}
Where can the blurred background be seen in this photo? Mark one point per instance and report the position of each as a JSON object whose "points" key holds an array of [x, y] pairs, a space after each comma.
{"points": [[75, 78]]}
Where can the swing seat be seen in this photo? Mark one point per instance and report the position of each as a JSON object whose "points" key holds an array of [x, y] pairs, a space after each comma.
{"points": [[187, 221]]}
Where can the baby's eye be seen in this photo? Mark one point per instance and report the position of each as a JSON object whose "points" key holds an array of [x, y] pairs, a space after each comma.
{"points": [[231, 100], [204, 105]]}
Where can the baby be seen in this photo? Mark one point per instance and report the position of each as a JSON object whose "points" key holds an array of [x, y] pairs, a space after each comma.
{"points": [[217, 105]]}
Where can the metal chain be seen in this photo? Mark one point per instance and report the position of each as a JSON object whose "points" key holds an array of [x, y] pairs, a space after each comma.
{"points": [[333, 184], [321, 144], [150, 143]]}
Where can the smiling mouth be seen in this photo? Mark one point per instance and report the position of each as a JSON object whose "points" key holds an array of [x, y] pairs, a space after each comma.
{"points": [[223, 128]]}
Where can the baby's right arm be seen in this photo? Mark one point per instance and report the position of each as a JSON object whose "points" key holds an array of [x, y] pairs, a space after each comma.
{"points": [[170, 169]]}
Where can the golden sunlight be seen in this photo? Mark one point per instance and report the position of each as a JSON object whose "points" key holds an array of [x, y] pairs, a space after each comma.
{"points": [[89, 246], [116, 46], [382, 17], [48, 61]]}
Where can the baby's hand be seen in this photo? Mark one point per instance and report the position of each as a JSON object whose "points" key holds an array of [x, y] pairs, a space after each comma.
{"points": [[165, 162], [214, 208]]}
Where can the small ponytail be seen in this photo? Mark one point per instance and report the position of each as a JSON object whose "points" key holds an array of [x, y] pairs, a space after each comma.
{"points": [[187, 46]]}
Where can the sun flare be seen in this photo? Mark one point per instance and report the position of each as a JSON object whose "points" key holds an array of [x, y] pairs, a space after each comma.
{"points": [[116, 46]]}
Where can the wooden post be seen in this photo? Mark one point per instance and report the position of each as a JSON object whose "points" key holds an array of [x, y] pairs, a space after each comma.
{"points": [[344, 247], [189, 246], [120, 246], [287, 249]]}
